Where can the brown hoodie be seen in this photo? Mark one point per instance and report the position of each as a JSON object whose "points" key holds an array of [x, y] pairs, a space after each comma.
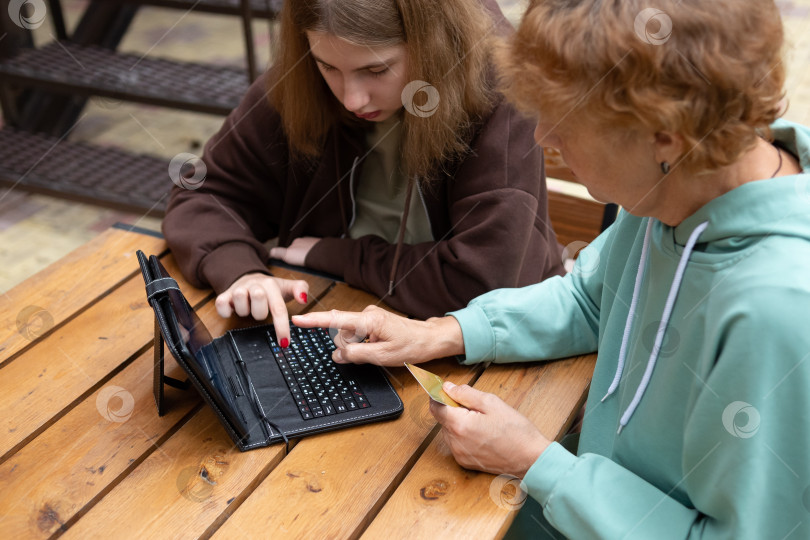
{"points": [[488, 212]]}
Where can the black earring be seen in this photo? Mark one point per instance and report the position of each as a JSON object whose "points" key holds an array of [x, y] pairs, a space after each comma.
{"points": [[665, 167]]}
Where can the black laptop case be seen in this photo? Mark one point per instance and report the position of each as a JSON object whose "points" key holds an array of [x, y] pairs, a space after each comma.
{"points": [[240, 373]]}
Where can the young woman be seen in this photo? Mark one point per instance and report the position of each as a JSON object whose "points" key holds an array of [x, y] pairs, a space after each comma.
{"points": [[697, 422], [375, 149]]}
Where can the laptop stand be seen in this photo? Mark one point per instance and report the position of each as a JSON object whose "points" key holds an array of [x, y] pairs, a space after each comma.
{"points": [[159, 378]]}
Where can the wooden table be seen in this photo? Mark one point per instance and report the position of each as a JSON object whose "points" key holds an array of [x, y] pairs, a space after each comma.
{"points": [[84, 454]]}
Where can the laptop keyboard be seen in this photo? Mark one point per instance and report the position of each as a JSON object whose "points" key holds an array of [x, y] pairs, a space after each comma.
{"points": [[314, 380]]}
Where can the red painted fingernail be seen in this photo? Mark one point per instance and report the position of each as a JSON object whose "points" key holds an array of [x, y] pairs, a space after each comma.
{"points": [[285, 343], [304, 297]]}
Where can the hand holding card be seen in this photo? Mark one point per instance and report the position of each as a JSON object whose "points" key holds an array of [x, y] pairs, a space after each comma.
{"points": [[432, 384]]}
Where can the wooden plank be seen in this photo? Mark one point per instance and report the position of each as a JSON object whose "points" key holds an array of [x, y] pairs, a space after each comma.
{"points": [[194, 480], [51, 479], [43, 302], [332, 485], [102, 452], [182, 489], [440, 499], [80, 354], [73, 360]]}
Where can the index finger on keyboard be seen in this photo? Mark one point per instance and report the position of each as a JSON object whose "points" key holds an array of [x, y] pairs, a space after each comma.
{"points": [[344, 320]]}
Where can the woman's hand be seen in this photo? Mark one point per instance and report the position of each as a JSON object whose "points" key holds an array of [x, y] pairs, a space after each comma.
{"points": [[259, 295], [296, 253], [488, 435], [376, 336]]}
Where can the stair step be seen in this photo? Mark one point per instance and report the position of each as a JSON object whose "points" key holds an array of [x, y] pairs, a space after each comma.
{"points": [[265, 9], [106, 176], [67, 67]]}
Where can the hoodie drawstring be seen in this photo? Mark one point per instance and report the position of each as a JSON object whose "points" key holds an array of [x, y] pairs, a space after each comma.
{"points": [[341, 205], [662, 327], [632, 313], [351, 193]]}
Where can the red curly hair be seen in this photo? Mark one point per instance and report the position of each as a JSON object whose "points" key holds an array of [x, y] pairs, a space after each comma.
{"points": [[710, 71]]}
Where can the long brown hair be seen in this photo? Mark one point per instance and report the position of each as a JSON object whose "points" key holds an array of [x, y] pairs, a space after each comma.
{"points": [[448, 46]]}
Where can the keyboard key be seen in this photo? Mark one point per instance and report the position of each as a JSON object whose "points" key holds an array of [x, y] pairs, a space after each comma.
{"points": [[314, 380]]}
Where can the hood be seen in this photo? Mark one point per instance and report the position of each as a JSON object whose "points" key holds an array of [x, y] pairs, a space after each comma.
{"points": [[723, 226], [758, 208]]}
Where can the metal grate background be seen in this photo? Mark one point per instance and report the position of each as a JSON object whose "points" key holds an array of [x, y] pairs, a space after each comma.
{"points": [[95, 174], [90, 70], [267, 9]]}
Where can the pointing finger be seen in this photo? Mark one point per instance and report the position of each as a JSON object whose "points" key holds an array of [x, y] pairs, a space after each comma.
{"points": [[343, 320]]}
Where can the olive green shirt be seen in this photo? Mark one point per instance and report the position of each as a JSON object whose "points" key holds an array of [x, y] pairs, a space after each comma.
{"points": [[380, 199]]}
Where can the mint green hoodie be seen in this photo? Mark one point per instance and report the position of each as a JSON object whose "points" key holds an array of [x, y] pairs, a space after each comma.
{"points": [[719, 444]]}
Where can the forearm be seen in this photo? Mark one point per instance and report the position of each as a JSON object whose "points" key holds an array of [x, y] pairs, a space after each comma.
{"points": [[211, 248], [546, 321]]}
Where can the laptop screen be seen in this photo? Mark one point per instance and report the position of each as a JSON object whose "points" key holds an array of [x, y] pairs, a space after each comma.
{"points": [[193, 332]]}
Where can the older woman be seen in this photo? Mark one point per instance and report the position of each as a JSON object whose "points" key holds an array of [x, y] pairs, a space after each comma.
{"points": [[696, 298]]}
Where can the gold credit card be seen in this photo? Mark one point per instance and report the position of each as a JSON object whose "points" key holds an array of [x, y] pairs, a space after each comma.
{"points": [[432, 384]]}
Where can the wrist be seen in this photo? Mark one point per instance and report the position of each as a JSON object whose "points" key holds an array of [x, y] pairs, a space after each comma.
{"points": [[255, 274], [250, 275], [534, 450], [227, 263], [444, 337]]}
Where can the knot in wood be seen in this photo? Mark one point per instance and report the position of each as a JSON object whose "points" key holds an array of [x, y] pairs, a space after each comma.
{"points": [[434, 490]]}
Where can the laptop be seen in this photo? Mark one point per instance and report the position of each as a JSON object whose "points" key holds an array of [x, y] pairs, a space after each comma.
{"points": [[262, 393]]}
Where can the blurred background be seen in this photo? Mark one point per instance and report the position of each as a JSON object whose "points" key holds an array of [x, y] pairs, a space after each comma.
{"points": [[36, 230]]}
